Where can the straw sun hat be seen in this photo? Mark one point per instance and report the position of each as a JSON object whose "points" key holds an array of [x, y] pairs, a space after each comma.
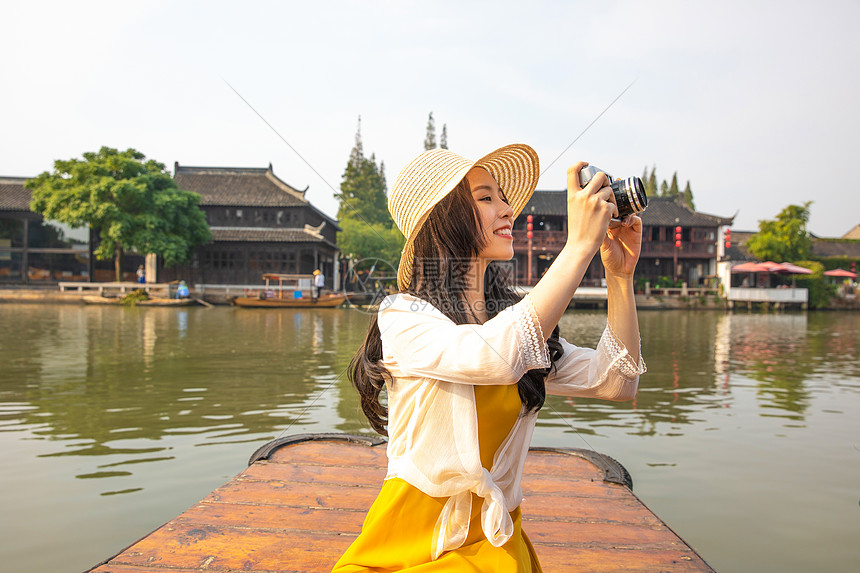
{"points": [[428, 178]]}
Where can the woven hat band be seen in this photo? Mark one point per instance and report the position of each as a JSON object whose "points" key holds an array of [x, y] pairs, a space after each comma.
{"points": [[422, 184]]}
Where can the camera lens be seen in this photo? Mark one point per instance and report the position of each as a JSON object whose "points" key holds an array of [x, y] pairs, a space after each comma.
{"points": [[629, 196]]}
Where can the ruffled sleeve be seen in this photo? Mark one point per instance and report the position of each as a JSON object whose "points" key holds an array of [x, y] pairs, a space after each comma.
{"points": [[608, 372], [424, 342]]}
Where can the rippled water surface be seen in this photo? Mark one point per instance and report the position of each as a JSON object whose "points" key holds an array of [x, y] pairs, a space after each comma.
{"points": [[744, 437]]}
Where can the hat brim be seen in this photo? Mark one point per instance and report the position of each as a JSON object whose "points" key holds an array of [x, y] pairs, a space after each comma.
{"points": [[516, 169]]}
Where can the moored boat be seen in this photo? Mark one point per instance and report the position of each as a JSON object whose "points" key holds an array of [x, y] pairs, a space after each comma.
{"points": [[324, 301], [97, 299], [288, 294]]}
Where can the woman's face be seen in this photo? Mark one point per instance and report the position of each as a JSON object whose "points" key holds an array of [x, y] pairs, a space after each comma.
{"points": [[495, 215]]}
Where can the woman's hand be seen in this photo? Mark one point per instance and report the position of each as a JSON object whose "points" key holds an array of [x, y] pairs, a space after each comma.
{"points": [[621, 247], [589, 210]]}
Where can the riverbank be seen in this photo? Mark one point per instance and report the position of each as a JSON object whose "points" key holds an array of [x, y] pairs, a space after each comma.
{"points": [[652, 301]]}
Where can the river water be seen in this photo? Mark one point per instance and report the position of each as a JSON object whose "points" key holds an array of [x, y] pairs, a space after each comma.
{"points": [[744, 437]]}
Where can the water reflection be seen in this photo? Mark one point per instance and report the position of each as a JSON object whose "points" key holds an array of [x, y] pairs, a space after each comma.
{"points": [[101, 381], [127, 385], [696, 358]]}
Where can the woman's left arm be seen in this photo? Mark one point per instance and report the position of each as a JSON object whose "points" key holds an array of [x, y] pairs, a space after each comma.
{"points": [[620, 253]]}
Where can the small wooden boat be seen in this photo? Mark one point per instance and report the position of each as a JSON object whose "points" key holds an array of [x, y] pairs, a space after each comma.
{"points": [[97, 299], [303, 499], [288, 294], [324, 301]]}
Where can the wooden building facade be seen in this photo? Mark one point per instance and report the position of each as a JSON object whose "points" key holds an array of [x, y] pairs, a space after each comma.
{"points": [[694, 262], [259, 224], [34, 251]]}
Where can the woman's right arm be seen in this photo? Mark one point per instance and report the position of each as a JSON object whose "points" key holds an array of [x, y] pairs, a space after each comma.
{"points": [[588, 213]]}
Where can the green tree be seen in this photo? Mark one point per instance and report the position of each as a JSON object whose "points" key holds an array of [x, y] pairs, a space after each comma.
{"points": [[664, 189], [443, 139], [650, 182], [430, 138], [367, 228], [820, 291], [673, 187], [133, 205], [784, 239], [688, 196]]}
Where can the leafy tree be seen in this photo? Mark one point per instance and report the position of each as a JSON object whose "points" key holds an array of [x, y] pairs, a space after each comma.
{"points": [[688, 196], [820, 291], [443, 139], [133, 205], [664, 189], [367, 228], [784, 239], [430, 138]]}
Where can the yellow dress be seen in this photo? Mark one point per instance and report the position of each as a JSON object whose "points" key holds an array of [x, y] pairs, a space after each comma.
{"points": [[398, 529]]}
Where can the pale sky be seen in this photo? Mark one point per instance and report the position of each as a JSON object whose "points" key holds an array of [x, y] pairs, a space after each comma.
{"points": [[753, 102]]}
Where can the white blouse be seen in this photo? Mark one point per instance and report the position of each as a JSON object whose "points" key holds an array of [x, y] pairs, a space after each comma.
{"points": [[432, 418]]}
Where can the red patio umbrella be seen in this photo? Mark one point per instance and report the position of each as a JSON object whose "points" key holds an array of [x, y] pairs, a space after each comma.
{"points": [[841, 273], [792, 269], [750, 267]]}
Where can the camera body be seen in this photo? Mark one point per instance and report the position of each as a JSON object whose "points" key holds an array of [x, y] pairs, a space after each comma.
{"points": [[629, 193]]}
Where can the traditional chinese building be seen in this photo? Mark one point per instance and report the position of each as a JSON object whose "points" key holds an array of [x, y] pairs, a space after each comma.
{"points": [[259, 224], [694, 261], [34, 251]]}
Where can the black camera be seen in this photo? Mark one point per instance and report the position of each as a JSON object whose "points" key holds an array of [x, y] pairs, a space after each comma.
{"points": [[629, 193]]}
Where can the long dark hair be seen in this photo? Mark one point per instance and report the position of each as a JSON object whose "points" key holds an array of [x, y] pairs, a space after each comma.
{"points": [[444, 247]]}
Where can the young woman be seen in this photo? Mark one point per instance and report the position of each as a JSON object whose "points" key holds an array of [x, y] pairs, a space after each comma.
{"points": [[466, 364]]}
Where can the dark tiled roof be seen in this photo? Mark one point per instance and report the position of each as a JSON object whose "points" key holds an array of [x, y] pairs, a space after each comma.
{"points": [[738, 251], [265, 235], [235, 186], [821, 248], [13, 195], [547, 203], [849, 248], [661, 211]]}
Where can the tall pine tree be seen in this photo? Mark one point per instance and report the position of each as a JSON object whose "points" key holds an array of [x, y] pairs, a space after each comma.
{"points": [[367, 228], [430, 138], [688, 196], [651, 182], [673, 187], [443, 139]]}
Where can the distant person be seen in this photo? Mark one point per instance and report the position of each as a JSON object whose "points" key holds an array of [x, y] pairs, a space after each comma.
{"points": [[141, 275], [182, 290], [319, 283], [466, 363]]}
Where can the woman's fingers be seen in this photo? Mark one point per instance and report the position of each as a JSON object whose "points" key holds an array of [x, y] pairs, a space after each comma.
{"points": [[573, 175]]}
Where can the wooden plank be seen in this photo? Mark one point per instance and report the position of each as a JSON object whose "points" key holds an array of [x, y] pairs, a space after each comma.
{"points": [[599, 560], [307, 495], [302, 507], [315, 473], [331, 453]]}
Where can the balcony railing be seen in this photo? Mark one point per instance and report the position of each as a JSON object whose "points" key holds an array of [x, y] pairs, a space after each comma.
{"points": [[553, 241]]}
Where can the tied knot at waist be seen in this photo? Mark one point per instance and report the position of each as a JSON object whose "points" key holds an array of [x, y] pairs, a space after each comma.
{"points": [[452, 527]]}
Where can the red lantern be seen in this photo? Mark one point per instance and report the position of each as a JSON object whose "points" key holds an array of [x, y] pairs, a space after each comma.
{"points": [[728, 238], [678, 236], [529, 218], [529, 233]]}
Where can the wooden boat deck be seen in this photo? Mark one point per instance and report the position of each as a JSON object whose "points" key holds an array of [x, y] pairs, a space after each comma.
{"points": [[303, 499]]}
